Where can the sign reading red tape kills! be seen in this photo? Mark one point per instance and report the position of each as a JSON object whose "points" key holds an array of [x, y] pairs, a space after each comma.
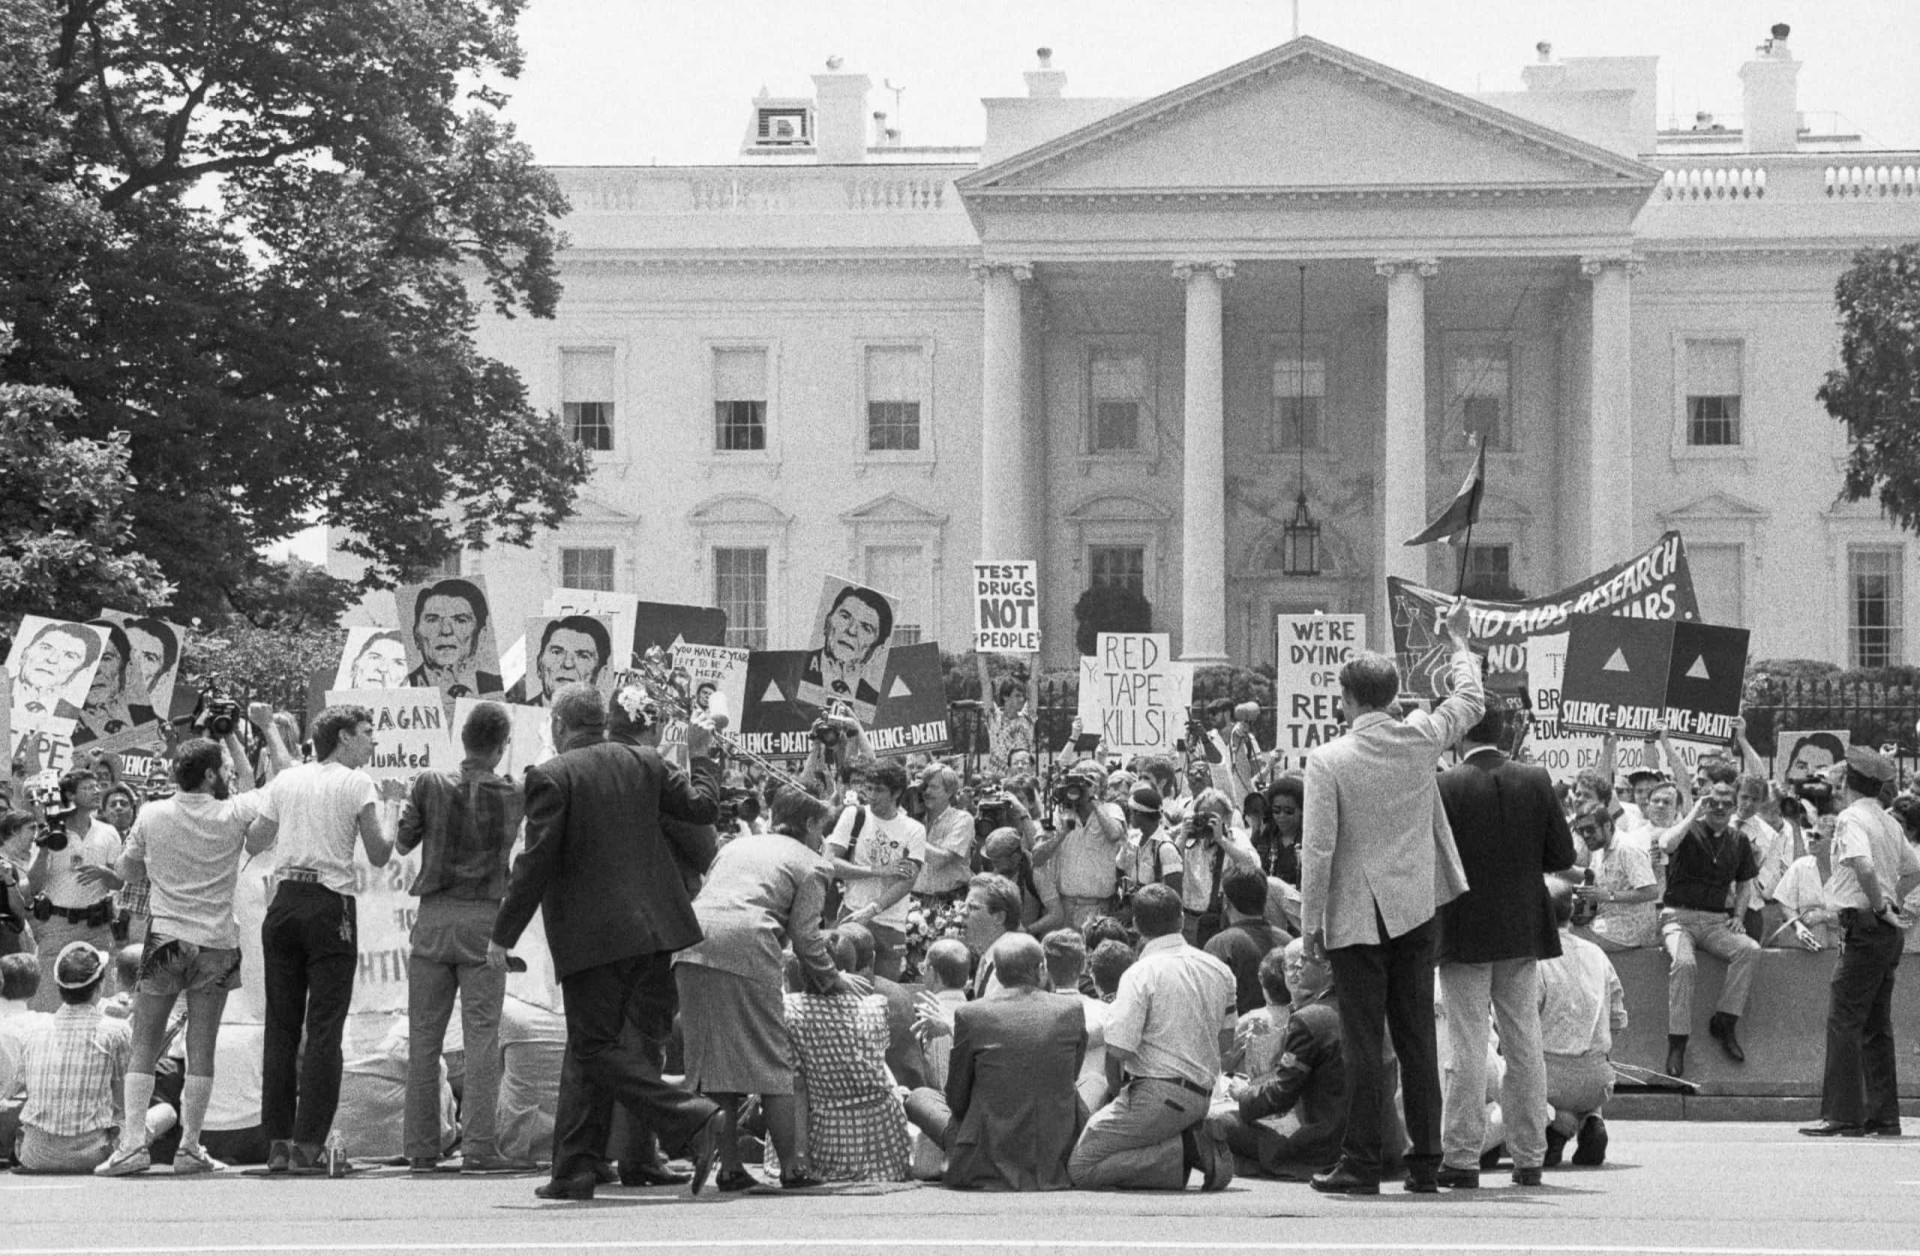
{"points": [[1635, 675]]}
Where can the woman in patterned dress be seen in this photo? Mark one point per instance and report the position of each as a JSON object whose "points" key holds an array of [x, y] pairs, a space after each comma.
{"points": [[856, 1128]]}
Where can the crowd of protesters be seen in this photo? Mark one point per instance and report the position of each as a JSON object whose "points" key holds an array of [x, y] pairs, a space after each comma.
{"points": [[1110, 973]]}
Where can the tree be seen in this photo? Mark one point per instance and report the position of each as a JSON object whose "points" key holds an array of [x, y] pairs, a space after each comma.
{"points": [[255, 235], [1109, 608], [66, 542], [1876, 393]]}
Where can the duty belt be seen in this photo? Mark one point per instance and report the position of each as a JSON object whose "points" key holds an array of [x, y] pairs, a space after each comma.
{"points": [[93, 914], [302, 876]]}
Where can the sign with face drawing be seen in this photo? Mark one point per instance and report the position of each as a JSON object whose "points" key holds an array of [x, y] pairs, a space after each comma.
{"points": [[447, 630], [849, 659]]}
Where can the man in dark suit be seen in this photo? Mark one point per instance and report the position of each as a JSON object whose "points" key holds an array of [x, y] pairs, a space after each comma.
{"points": [[1509, 829], [1010, 1115], [601, 872]]}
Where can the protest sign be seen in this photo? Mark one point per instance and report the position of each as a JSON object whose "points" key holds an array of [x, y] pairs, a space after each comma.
{"points": [[564, 650], [1806, 753], [1655, 584], [713, 669], [156, 646], [771, 721], [410, 731], [1306, 686], [373, 658], [52, 664], [849, 656], [667, 624], [448, 632], [116, 715], [1143, 695], [617, 609], [1632, 677], [1006, 608], [913, 703]]}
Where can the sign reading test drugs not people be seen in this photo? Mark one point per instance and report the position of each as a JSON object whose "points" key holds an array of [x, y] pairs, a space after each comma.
{"points": [[1634, 676], [1006, 608], [1306, 686]]}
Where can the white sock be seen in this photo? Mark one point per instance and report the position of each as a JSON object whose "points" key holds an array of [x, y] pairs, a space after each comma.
{"points": [[137, 1095], [194, 1097]]}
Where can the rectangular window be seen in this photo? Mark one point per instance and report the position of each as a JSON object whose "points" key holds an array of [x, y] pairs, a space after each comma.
{"points": [[1481, 384], [739, 400], [1118, 567], [895, 385], [740, 589], [587, 569], [1299, 401], [586, 397], [897, 570], [1490, 572], [1719, 582], [1713, 392], [1117, 387], [1876, 618]]}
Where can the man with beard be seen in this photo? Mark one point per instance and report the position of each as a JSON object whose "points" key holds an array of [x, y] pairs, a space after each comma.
{"points": [[111, 707], [448, 620], [858, 626], [573, 649]]}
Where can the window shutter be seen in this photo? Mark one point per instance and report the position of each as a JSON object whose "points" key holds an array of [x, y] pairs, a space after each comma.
{"points": [[586, 375], [740, 375], [1713, 368]]}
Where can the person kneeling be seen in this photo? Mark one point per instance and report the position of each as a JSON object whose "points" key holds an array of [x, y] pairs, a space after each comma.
{"points": [[1582, 1006], [1010, 1114]]}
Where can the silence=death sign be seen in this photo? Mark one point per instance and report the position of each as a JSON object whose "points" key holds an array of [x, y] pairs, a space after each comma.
{"points": [[1635, 675], [1006, 608]]}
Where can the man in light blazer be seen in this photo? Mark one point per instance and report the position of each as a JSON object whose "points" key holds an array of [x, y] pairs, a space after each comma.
{"points": [[1377, 862]]}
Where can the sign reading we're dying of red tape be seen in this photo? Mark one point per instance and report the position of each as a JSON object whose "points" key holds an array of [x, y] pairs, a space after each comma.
{"points": [[1636, 676]]}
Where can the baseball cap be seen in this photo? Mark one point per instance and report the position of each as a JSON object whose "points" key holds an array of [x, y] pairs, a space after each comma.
{"points": [[79, 966], [1144, 798], [1869, 763]]}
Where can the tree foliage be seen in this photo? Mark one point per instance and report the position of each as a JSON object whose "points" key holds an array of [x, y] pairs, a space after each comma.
{"points": [[255, 235], [1876, 393], [1109, 608], [272, 665]]}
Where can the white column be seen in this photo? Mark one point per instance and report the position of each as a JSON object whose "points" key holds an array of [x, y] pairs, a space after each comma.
{"points": [[1203, 494], [1610, 414], [1404, 464], [1006, 504]]}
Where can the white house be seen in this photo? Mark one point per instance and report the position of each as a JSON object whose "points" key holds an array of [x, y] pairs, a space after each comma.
{"points": [[1083, 343]]}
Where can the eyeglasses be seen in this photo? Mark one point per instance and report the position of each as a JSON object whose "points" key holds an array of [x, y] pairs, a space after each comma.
{"points": [[1586, 832]]}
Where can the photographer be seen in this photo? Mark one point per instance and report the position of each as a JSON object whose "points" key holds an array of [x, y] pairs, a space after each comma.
{"points": [[839, 751], [1148, 857], [1210, 847], [71, 880], [950, 836], [1086, 836]]}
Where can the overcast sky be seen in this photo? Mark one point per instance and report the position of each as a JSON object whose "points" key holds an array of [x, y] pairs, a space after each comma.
{"points": [[612, 82]]}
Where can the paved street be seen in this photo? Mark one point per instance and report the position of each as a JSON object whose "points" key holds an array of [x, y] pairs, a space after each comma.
{"points": [[1676, 1188]]}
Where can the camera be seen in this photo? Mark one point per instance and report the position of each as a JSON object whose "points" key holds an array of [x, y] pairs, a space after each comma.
{"points": [[1200, 827], [825, 731], [1817, 794], [1070, 793], [217, 715]]}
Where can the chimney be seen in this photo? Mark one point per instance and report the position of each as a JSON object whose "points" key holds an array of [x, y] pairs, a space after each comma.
{"points": [[1545, 74], [1046, 83], [840, 115], [1769, 97]]}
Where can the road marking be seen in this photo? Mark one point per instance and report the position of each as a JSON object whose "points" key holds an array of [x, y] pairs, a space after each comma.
{"points": [[846, 1244]]}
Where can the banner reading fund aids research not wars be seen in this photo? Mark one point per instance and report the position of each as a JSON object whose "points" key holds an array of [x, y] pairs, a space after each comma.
{"points": [[1654, 584]]}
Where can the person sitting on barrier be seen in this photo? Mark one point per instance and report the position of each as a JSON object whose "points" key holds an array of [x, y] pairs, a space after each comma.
{"points": [[1711, 865], [1801, 894], [1582, 1005], [1750, 798], [1616, 905]]}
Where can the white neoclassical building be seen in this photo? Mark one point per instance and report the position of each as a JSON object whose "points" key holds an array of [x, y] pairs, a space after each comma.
{"points": [[1083, 343]]}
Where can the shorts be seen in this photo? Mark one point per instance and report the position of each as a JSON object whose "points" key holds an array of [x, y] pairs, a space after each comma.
{"points": [[169, 966]]}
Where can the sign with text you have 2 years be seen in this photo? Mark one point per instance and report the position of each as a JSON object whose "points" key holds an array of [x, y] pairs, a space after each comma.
{"points": [[1631, 676]]}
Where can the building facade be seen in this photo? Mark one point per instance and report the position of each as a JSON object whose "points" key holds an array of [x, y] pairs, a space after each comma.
{"points": [[1084, 343]]}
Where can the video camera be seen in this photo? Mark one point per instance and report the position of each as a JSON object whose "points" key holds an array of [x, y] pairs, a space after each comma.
{"points": [[216, 715], [834, 727], [1071, 792]]}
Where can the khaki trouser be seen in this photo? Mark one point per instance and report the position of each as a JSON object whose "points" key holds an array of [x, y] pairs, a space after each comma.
{"points": [[1578, 1086], [1685, 929]]}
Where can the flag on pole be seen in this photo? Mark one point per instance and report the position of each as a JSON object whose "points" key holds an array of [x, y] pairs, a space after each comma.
{"points": [[1464, 510]]}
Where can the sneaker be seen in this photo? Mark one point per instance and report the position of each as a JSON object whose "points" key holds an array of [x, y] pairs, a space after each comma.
{"points": [[124, 1162], [194, 1159]]}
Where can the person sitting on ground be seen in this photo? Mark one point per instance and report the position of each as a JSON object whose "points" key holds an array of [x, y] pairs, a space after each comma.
{"points": [[1172, 1019], [1259, 1033], [1582, 1006], [19, 980], [906, 1059], [1289, 1122], [856, 1130], [1093, 933], [1066, 961], [947, 966], [1247, 938], [992, 912], [1623, 887], [74, 1071], [1108, 964], [1006, 855], [1009, 1115]]}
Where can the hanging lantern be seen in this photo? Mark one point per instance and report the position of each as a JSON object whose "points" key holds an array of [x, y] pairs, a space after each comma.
{"points": [[1300, 542]]}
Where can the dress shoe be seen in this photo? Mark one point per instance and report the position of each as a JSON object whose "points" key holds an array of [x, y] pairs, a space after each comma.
{"points": [[730, 1180], [1876, 1129], [1591, 1146], [1421, 1182], [1829, 1129], [1721, 1027], [1556, 1147], [279, 1156], [1676, 1055], [1207, 1152], [1458, 1179], [704, 1147], [651, 1175], [579, 1186], [1526, 1177], [497, 1164], [1344, 1179]]}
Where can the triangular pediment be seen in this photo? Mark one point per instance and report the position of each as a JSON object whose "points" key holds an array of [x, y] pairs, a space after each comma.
{"points": [[1716, 506], [737, 508], [895, 509], [1119, 508], [1309, 117]]}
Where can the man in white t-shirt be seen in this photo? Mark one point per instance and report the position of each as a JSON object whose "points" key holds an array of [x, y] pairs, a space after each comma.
{"points": [[879, 862], [310, 938], [72, 881], [187, 848]]}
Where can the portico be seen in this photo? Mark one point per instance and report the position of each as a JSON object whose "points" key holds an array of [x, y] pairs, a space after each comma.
{"points": [[1144, 398]]}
